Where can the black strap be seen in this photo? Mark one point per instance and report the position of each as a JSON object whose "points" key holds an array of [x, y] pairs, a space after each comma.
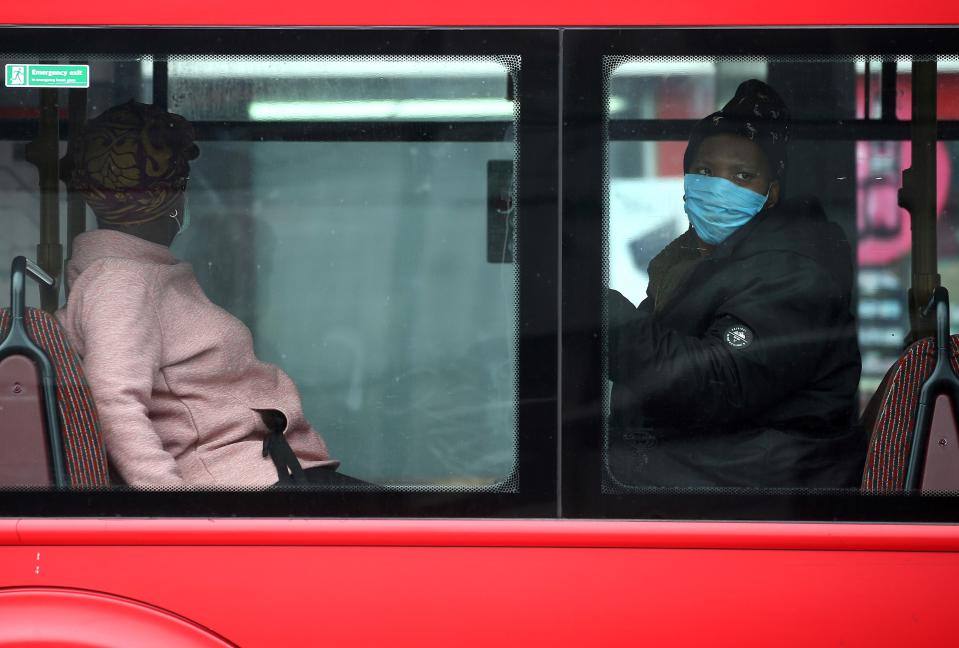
{"points": [[275, 446]]}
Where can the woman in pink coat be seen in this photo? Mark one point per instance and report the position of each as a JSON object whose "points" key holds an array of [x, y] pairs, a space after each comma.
{"points": [[182, 399]]}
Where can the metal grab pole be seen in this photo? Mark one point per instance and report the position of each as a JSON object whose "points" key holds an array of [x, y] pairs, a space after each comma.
{"points": [[161, 83], [44, 153], [887, 90], [76, 208], [918, 196]]}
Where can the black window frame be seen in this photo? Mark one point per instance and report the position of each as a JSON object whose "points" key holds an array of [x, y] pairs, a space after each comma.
{"points": [[561, 205], [584, 188], [538, 322]]}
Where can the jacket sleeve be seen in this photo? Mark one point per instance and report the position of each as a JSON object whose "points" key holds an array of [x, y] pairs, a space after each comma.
{"points": [[790, 309], [123, 341]]}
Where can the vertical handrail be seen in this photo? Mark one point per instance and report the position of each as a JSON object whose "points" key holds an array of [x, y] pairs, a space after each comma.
{"points": [[887, 79], [76, 208], [161, 83], [44, 153], [918, 196], [867, 92]]}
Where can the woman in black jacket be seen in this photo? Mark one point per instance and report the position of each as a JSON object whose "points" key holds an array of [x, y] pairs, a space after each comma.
{"points": [[741, 366]]}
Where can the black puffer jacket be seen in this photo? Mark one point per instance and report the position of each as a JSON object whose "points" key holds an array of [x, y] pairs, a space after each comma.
{"points": [[748, 375]]}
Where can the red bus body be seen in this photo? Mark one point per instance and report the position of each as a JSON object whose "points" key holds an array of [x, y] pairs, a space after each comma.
{"points": [[444, 582], [492, 13]]}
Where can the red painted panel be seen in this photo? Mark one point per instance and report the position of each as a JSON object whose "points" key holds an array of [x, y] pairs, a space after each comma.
{"points": [[526, 582], [361, 596], [489, 12]]}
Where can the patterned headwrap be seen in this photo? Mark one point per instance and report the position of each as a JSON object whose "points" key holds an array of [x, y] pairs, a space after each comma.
{"points": [[131, 163], [757, 113]]}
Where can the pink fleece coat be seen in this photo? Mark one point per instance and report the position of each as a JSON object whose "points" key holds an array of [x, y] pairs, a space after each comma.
{"points": [[174, 376]]}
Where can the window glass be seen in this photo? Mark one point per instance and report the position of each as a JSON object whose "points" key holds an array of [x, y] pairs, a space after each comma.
{"points": [[756, 345], [372, 264]]}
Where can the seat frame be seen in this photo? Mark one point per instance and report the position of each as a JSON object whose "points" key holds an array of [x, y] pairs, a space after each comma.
{"points": [[18, 343], [942, 382]]}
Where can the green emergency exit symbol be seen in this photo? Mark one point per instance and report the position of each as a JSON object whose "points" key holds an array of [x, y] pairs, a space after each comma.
{"points": [[28, 75]]}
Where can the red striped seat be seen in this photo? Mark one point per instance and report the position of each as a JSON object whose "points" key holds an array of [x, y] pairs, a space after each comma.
{"points": [[82, 443], [891, 416]]}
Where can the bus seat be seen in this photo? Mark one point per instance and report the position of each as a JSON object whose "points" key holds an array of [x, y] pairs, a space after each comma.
{"points": [[24, 449], [894, 415]]}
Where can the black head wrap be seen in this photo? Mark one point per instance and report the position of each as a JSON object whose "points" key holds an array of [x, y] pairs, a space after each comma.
{"points": [[757, 113], [131, 163]]}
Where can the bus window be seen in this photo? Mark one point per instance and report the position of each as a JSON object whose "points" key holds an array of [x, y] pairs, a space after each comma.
{"points": [[356, 214], [753, 311]]}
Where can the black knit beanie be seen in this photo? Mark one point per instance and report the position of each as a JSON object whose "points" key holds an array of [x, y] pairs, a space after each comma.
{"points": [[757, 113]]}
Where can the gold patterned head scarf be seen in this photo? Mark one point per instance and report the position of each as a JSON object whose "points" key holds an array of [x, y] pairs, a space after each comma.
{"points": [[131, 163]]}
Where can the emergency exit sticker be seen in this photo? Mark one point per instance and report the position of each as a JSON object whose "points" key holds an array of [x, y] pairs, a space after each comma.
{"points": [[28, 75]]}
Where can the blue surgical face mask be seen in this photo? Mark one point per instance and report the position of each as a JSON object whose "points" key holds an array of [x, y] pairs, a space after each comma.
{"points": [[717, 207]]}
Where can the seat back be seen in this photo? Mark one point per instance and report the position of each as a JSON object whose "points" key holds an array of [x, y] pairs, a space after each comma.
{"points": [[892, 416], [23, 436], [24, 460]]}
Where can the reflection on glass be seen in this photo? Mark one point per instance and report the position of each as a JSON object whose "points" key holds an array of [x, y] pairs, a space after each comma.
{"points": [[340, 88]]}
